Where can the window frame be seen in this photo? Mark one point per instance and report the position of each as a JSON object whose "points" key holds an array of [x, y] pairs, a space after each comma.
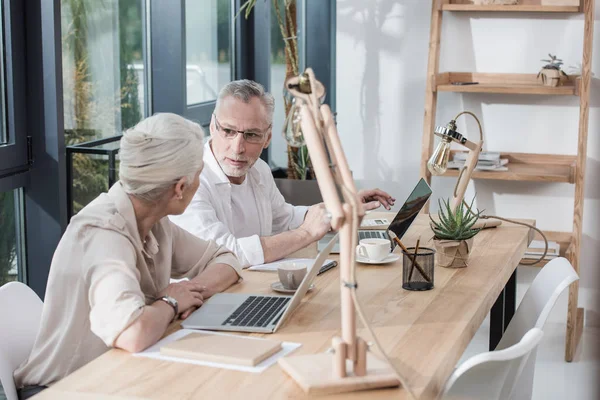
{"points": [[14, 155], [250, 55]]}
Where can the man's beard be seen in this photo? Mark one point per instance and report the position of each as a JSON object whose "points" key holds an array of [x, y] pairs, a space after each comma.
{"points": [[232, 171]]}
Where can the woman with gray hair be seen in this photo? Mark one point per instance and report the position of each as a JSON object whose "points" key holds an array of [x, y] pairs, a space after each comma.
{"points": [[109, 278]]}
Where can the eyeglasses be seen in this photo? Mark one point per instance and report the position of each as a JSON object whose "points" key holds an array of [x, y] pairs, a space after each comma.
{"points": [[249, 136]]}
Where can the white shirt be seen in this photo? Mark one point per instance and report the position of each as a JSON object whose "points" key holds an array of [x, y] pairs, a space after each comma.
{"points": [[210, 214], [102, 275], [244, 210]]}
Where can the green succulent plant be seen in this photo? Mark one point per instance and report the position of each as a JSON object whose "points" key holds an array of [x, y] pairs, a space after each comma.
{"points": [[457, 224]]}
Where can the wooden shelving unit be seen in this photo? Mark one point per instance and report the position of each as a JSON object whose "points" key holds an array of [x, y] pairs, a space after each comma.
{"points": [[523, 167], [531, 168], [514, 8], [502, 83]]}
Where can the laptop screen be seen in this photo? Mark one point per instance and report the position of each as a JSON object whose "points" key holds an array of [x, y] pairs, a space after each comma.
{"points": [[410, 209]]}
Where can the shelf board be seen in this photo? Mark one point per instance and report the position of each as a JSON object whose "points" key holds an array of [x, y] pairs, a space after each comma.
{"points": [[530, 168], [535, 8], [503, 83], [564, 239]]}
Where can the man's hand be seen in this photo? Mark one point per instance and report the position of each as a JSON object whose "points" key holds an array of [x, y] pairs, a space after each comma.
{"points": [[316, 223], [373, 198], [188, 295]]}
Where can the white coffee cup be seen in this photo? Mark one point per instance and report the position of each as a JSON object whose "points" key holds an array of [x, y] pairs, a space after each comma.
{"points": [[291, 274], [374, 249]]}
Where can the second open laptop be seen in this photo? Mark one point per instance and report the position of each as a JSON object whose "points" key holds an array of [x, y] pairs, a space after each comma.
{"points": [[401, 222], [253, 312]]}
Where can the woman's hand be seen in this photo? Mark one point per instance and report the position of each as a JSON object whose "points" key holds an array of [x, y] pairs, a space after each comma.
{"points": [[189, 296]]}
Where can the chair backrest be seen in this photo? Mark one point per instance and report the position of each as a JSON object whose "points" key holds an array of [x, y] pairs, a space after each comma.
{"points": [[492, 375], [539, 300], [20, 315], [533, 312]]}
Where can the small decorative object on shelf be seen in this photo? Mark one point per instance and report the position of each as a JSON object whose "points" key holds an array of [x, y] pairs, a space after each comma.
{"points": [[551, 74], [497, 2], [560, 2], [453, 233]]}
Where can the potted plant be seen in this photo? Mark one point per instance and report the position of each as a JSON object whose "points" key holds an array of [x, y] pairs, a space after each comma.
{"points": [[551, 74], [453, 233]]}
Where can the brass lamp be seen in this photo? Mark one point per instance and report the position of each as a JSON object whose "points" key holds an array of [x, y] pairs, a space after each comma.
{"points": [[349, 366], [438, 163]]}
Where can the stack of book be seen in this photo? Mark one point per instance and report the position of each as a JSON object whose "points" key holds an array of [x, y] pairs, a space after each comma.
{"points": [[488, 161], [536, 249]]}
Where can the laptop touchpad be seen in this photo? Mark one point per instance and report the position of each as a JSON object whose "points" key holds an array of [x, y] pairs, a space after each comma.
{"points": [[222, 309]]}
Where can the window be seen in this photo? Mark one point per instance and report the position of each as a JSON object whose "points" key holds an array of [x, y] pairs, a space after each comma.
{"points": [[13, 133], [104, 76], [278, 152], [208, 49], [10, 229], [4, 139]]}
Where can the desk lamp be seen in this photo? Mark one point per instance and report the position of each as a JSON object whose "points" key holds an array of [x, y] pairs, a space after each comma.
{"points": [[438, 163], [348, 366]]}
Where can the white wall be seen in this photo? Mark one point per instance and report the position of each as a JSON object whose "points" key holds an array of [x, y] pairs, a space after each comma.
{"points": [[382, 49]]}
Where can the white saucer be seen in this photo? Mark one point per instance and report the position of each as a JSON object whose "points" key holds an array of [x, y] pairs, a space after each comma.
{"points": [[278, 287], [390, 258]]}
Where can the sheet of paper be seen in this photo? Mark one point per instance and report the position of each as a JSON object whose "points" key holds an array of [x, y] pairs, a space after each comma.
{"points": [[154, 352], [272, 267]]}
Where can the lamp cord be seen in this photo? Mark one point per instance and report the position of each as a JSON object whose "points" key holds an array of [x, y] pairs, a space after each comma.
{"points": [[523, 224]]}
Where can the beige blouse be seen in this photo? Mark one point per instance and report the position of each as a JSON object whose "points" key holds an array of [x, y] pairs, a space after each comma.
{"points": [[101, 277]]}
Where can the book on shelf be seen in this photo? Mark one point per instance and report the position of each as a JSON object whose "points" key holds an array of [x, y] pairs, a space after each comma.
{"points": [[499, 165], [483, 156], [536, 249]]}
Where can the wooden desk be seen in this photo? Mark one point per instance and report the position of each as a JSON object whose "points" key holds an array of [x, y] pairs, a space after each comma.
{"points": [[425, 333]]}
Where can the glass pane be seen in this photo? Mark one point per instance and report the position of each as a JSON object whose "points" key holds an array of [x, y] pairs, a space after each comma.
{"points": [[4, 139], [208, 50], [90, 179], [103, 67], [10, 229], [278, 146], [104, 77]]}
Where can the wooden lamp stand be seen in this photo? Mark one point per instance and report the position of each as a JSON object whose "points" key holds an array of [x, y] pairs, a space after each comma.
{"points": [[349, 367]]}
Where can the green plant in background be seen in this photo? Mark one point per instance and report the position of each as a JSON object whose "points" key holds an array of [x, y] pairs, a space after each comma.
{"points": [[302, 162], [553, 63], [457, 224], [85, 111], [299, 165], [7, 236]]}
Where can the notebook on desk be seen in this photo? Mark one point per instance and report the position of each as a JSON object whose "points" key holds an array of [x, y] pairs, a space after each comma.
{"points": [[239, 350], [401, 222]]}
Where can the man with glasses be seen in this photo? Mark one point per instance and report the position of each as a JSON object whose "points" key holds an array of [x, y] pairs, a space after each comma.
{"points": [[238, 204]]}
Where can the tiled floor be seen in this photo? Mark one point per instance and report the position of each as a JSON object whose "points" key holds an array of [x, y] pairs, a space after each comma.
{"points": [[554, 378]]}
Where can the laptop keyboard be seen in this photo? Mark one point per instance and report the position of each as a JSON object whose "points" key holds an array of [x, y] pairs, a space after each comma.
{"points": [[256, 311], [371, 235]]}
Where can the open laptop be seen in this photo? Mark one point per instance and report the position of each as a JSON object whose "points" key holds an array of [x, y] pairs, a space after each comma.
{"points": [[399, 225], [253, 312]]}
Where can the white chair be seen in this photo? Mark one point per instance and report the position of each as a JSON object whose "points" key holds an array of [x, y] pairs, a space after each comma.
{"points": [[492, 375], [533, 312], [20, 313]]}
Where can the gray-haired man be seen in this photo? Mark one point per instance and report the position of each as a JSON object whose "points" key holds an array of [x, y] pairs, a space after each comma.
{"points": [[237, 203]]}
